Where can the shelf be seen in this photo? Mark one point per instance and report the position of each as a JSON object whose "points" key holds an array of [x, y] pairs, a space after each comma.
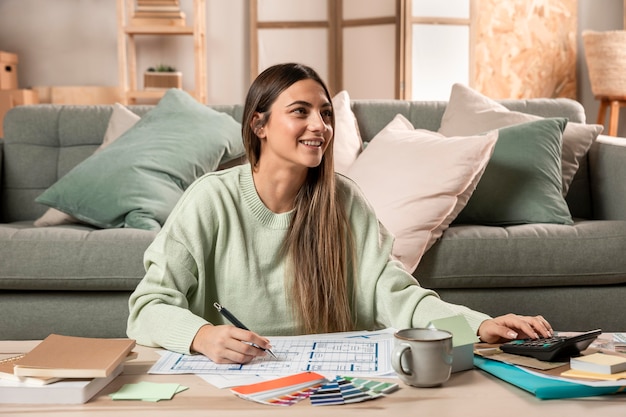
{"points": [[149, 94], [127, 51], [145, 94], [158, 30]]}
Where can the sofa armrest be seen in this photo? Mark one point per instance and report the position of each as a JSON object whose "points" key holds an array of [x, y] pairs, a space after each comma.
{"points": [[607, 176]]}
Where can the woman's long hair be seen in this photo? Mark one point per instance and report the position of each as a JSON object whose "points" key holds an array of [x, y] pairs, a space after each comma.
{"points": [[318, 244]]}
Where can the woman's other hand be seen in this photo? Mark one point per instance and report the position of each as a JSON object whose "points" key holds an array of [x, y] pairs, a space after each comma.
{"points": [[513, 326]]}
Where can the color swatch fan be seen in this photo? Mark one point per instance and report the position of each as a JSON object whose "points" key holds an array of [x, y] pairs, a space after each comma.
{"points": [[282, 391], [346, 390]]}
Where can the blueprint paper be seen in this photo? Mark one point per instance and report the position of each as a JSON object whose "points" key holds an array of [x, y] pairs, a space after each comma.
{"points": [[351, 354]]}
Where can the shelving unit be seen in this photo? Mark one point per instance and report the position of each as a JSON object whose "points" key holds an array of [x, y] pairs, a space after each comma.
{"points": [[127, 50]]}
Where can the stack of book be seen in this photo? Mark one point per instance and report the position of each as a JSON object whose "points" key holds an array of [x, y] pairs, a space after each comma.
{"points": [[158, 13], [63, 370], [598, 366]]}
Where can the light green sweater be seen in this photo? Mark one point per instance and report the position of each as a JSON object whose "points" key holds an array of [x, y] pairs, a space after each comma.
{"points": [[222, 244]]}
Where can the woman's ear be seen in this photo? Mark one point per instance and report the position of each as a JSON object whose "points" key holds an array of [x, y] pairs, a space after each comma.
{"points": [[256, 124]]}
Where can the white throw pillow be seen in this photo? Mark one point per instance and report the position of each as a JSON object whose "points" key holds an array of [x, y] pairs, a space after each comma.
{"points": [[468, 113], [54, 217], [348, 142], [418, 181], [121, 120]]}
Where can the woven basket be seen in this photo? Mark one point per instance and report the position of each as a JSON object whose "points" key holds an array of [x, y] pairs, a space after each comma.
{"points": [[605, 53]]}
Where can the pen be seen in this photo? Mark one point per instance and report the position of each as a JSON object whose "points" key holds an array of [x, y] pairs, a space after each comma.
{"points": [[235, 321]]}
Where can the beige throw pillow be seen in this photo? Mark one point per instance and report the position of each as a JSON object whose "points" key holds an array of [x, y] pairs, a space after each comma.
{"points": [[468, 113], [418, 181], [348, 143], [121, 120]]}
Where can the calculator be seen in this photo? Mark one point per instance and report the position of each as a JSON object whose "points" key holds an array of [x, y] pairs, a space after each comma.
{"points": [[555, 348]]}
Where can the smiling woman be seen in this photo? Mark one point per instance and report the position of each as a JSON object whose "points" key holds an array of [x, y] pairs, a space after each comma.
{"points": [[293, 126], [288, 236], [298, 133]]}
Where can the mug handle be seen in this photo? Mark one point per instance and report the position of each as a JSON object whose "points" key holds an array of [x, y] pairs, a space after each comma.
{"points": [[396, 359]]}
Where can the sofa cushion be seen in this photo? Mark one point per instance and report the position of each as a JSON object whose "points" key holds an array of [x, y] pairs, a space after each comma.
{"points": [[468, 112], [347, 144], [137, 180], [522, 181], [526, 256], [418, 181], [71, 257], [121, 120]]}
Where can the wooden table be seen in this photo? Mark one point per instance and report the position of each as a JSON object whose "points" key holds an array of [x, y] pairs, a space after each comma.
{"points": [[466, 394]]}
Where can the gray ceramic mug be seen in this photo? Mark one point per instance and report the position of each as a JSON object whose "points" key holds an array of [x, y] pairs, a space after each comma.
{"points": [[422, 357]]}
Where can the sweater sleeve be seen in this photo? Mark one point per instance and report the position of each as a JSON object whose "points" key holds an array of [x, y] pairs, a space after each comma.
{"points": [[402, 303], [387, 295], [160, 314]]}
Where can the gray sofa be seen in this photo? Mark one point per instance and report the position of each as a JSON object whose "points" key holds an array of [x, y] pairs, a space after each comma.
{"points": [[75, 279]]}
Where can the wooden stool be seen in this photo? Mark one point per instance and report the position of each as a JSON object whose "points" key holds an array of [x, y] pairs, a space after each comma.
{"points": [[613, 103]]}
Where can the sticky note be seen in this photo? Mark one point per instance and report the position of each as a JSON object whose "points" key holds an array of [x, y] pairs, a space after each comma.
{"points": [[148, 391]]}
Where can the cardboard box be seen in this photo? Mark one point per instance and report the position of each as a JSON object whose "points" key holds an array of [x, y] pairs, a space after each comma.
{"points": [[8, 71], [463, 339]]}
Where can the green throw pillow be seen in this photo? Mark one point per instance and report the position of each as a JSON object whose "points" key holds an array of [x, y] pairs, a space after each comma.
{"points": [[522, 181], [137, 180]]}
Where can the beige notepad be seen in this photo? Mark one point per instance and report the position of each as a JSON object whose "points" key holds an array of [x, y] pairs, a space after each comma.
{"points": [[74, 357], [6, 373], [600, 363]]}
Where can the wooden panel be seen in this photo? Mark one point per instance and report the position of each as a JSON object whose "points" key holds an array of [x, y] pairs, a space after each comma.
{"points": [[84, 95], [525, 49]]}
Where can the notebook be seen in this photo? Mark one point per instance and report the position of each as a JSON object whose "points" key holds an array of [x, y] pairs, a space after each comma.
{"points": [[600, 363], [70, 391], [74, 357], [542, 387], [6, 373]]}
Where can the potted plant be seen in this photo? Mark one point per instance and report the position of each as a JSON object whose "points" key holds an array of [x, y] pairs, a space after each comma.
{"points": [[162, 77]]}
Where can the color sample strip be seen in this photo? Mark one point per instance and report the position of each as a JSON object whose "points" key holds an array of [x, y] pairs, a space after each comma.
{"points": [[329, 394], [294, 397], [347, 390], [350, 393], [283, 391], [377, 387]]}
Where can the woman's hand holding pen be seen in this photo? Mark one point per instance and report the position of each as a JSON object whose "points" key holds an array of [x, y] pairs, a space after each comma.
{"points": [[229, 344]]}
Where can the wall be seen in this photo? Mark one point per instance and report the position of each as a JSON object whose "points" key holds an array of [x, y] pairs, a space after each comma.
{"points": [[526, 49], [74, 42]]}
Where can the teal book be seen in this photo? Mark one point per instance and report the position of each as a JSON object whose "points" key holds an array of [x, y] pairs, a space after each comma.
{"points": [[543, 388]]}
